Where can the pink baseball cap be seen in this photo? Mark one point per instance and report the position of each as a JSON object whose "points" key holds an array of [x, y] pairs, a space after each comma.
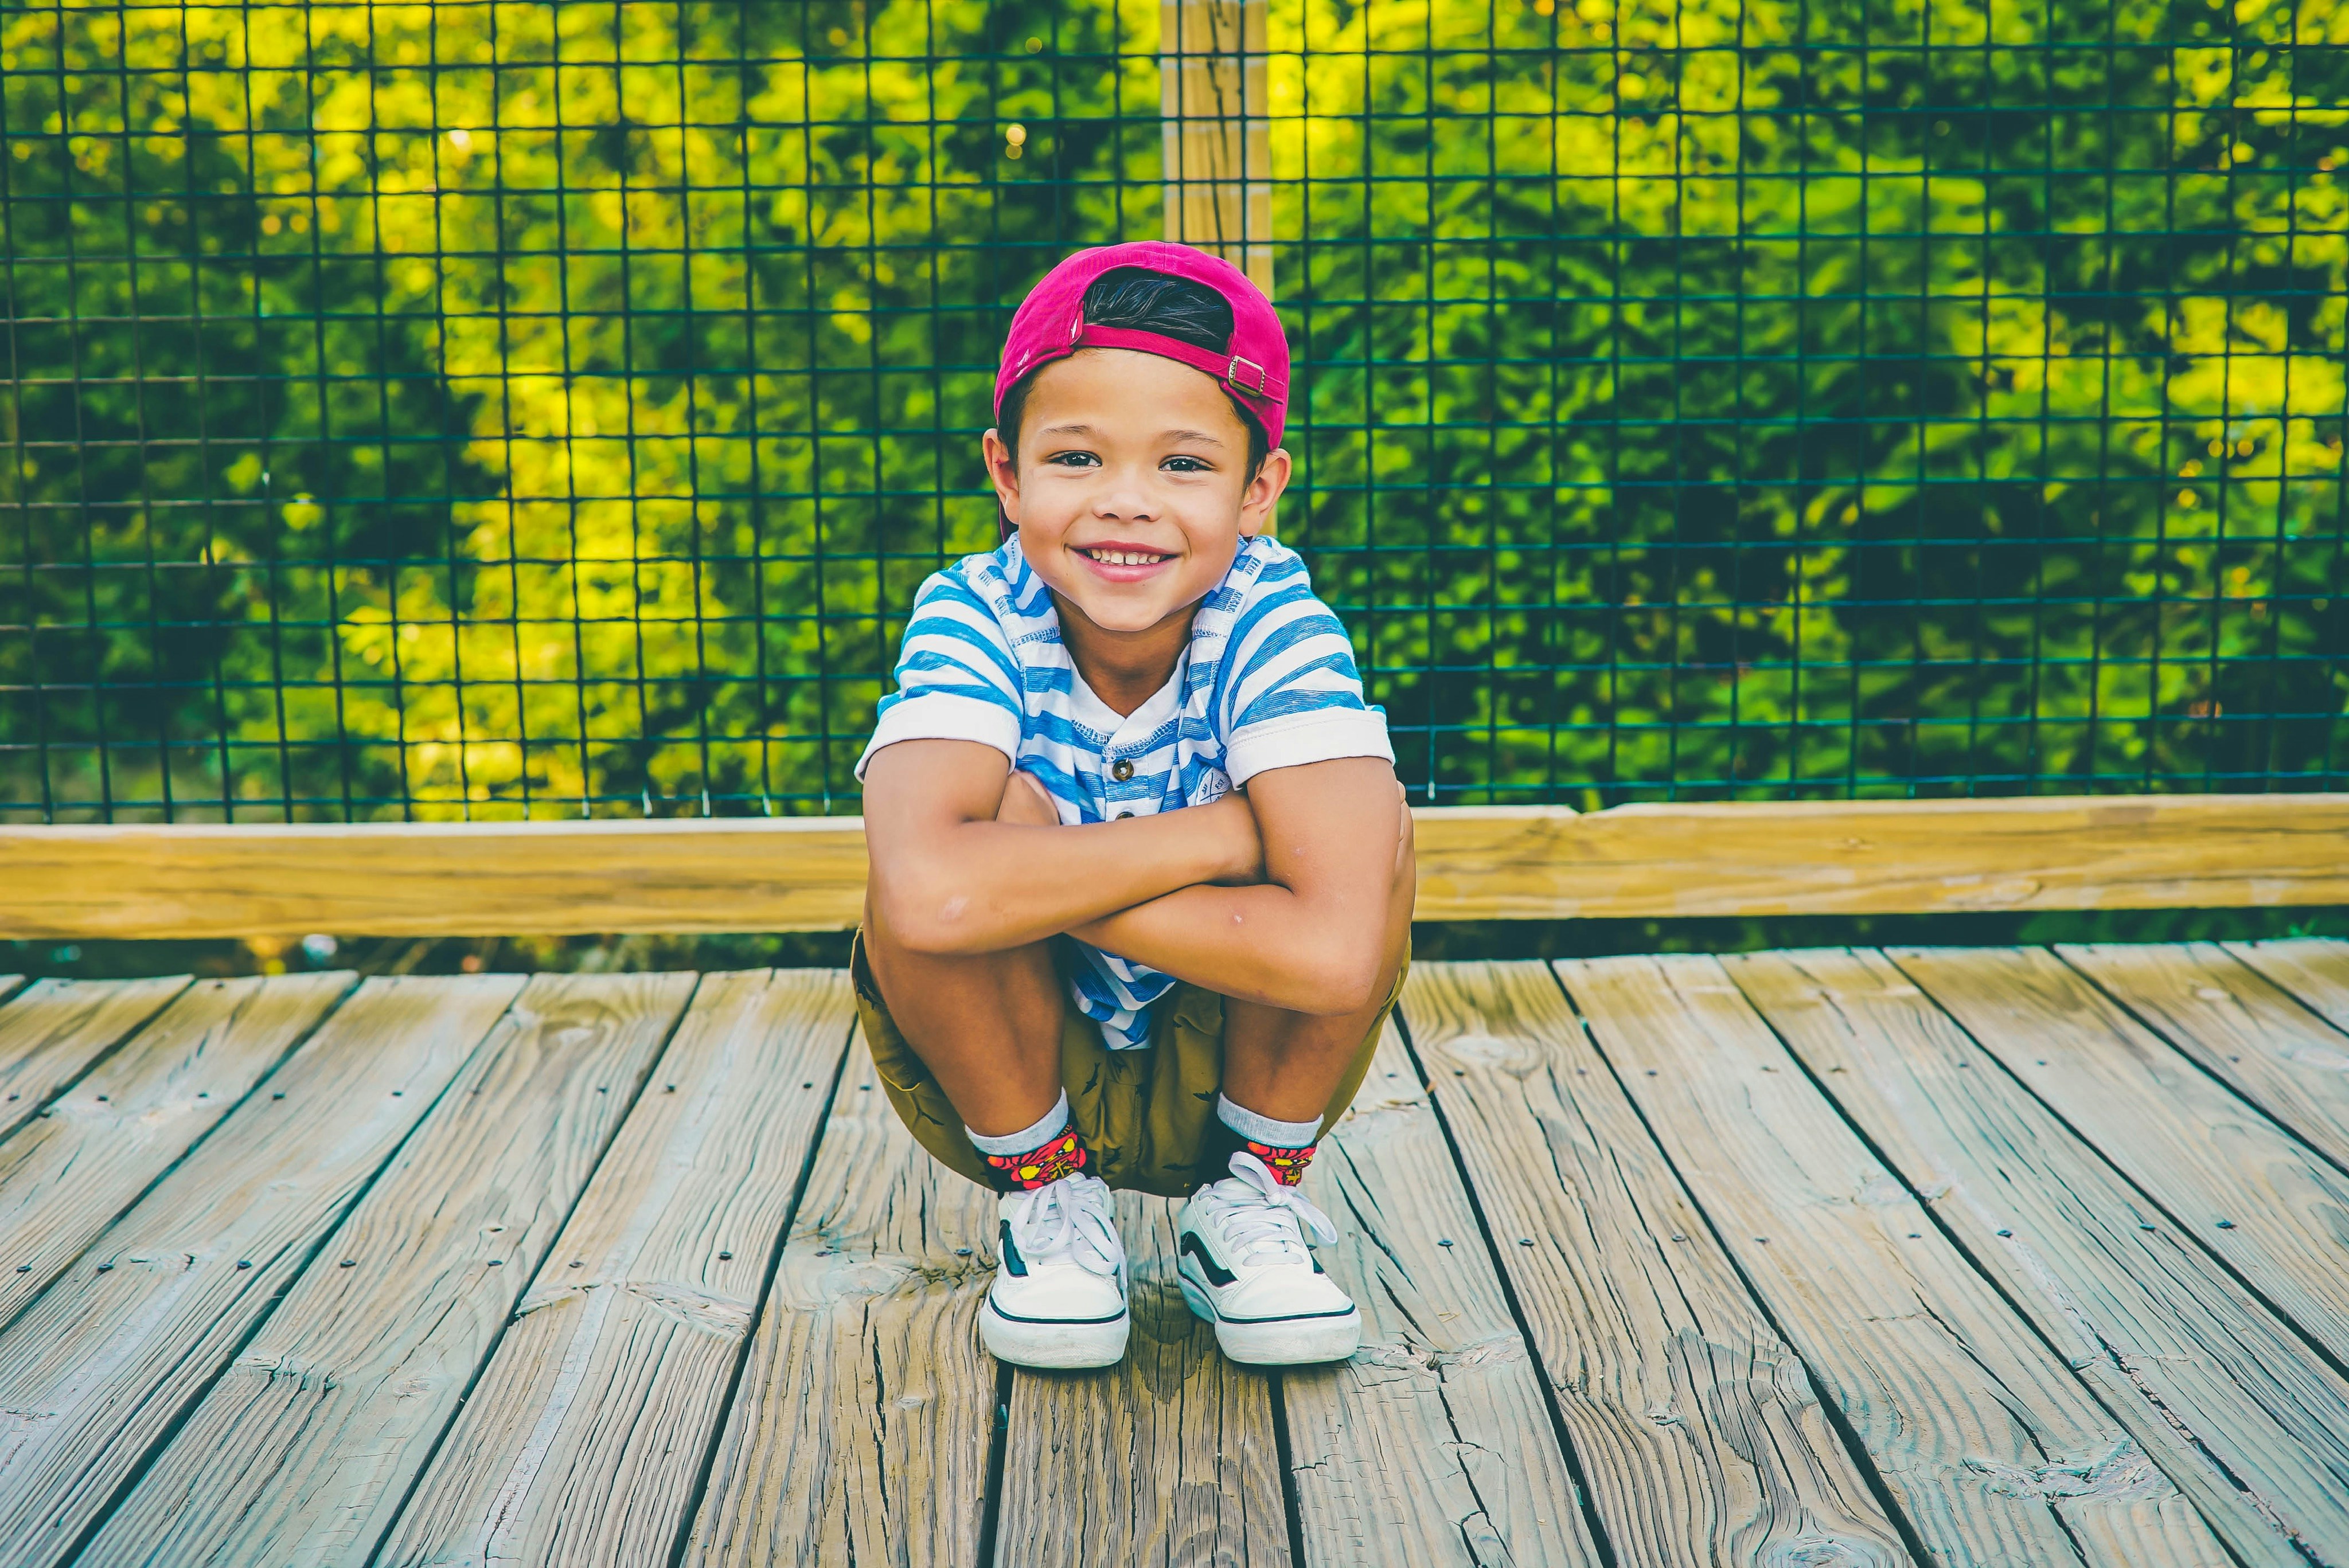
{"points": [[1050, 324]]}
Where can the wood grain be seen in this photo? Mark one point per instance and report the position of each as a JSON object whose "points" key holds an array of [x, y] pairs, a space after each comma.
{"points": [[1881, 857], [1166, 1459], [64, 1177], [2313, 969], [1988, 1443], [2205, 1155], [860, 1431], [585, 1437], [434, 879], [2243, 1028], [99, 1368], [1433, 1445], [1477, 862], [303, 1450], [53, 1033], [1698, 1429], [2230, 1405], [1216, 105]]}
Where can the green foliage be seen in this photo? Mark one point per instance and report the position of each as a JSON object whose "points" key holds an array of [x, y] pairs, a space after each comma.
{"points": [[497, 408]]}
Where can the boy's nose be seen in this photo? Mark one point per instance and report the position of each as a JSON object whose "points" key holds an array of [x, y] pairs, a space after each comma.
{"points": [[1124, 504]]}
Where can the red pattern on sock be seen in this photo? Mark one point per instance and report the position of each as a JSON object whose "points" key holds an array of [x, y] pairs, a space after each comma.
{"points": [[1286, 1165], [1061, 1155]]}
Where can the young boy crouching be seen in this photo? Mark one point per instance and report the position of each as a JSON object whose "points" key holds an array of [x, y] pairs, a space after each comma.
{"points": [[1089, 960]]}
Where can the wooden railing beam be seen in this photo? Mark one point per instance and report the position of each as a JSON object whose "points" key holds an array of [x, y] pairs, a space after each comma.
{"points": [[738, 875]]}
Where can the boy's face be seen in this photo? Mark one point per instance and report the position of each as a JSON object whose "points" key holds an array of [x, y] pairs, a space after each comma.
{"points": [[1131, 492]]}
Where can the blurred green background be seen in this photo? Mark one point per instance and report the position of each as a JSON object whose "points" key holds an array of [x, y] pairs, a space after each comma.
{"points": [[523, 408]]}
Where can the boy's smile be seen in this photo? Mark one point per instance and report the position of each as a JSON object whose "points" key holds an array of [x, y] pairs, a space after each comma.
{"points": [[1132, 494], [1118, 561]]}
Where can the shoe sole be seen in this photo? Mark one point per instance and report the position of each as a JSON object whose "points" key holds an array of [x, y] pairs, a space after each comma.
{"points": [[1053, 1347], [1289, 1341]]}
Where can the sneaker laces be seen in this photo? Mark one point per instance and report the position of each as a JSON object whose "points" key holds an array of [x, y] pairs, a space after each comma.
{"points": [[1265, 1214], [1069, 1219]]}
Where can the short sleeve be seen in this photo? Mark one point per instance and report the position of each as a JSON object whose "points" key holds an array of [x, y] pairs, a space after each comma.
{"points": [[1292, 693], [956, 679]]}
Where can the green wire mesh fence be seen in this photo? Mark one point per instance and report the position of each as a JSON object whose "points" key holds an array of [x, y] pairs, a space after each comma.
{"points": [[497, 408]]}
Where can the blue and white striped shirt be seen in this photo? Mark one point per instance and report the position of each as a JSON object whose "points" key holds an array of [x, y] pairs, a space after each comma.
{"points": [[1268, 681]]}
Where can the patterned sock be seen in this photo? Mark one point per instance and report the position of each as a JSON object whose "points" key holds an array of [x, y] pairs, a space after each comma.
{"points": [[1284, 1147], [1035, 1156]]}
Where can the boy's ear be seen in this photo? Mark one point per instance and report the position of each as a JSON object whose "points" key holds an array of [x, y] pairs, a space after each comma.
{"points": [[1003, 473], [1262, 493]]}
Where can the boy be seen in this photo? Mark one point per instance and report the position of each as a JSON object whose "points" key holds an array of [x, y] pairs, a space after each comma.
{"points": [[1088, 960]]}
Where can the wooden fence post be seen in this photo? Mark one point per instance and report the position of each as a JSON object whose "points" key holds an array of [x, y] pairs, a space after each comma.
{"points": [[1218, 141]]}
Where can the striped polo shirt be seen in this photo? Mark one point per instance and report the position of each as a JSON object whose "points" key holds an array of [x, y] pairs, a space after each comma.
{"points": [[1268, 681]]}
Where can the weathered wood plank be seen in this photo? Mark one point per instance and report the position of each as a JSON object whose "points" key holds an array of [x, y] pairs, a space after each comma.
{"points": [[1699, 1432], [1475, 863], [2173, 1347], [859, 1433], [303, 1451], [2248, 1189], [1215, 105], [2314, 969], [98, 1368], [1433, 1445], [586, 1435], [2241, 1026], [1168, 1458], [8, 984], [1987, 1442], [53, 1033], [64, 1178]]}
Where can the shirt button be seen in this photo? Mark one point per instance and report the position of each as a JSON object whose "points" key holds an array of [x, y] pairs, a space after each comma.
{"points": [[1121, 770]]}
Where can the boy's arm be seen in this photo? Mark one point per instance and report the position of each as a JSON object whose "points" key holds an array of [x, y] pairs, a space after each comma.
{"points": [[947, 877], [1309, 938]]}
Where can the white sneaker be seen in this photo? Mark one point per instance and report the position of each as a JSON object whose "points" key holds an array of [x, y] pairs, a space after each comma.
{"points": [[1246, 1266], [1058, 1296]]}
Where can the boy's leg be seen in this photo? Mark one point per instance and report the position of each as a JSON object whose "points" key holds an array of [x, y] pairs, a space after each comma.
{"points": [[988, 1025], [1246, 1261], [1286, 1065]]}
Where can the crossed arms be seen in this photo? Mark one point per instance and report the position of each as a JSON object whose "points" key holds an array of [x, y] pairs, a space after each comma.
{"points": [[1280, 896]]}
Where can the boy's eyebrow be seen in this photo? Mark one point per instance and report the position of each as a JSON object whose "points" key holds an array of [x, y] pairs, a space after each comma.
{"points": [[1082, 429]]}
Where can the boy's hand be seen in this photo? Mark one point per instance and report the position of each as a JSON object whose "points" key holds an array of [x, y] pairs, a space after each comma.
{"points": [[1235, 829], [1312, 935], [958, 866], [1238, 846], [1026, 803]]}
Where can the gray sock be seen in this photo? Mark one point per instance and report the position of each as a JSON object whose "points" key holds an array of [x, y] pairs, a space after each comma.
{"points": [[1259, 1129], [1047, 1127]]}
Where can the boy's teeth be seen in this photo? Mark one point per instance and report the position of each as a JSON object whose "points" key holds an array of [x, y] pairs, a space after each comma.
{"points": [[1124, 558]]}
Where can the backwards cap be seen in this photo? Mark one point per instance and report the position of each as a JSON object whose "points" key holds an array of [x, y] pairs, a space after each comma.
{"points": [[1050, 324]]}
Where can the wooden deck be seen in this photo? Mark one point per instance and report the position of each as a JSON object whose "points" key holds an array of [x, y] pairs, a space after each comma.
{"points": [[1830, 1258]]}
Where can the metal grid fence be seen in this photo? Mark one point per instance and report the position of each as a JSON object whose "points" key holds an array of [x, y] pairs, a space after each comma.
{"points": [[504, 408]]}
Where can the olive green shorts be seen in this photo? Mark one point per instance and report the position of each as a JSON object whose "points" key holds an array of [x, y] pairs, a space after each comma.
{"points": [[1142, 1113]]}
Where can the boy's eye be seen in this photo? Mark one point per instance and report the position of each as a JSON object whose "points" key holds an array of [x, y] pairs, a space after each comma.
{"points": [[1181, 464], [1074, 459]]}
